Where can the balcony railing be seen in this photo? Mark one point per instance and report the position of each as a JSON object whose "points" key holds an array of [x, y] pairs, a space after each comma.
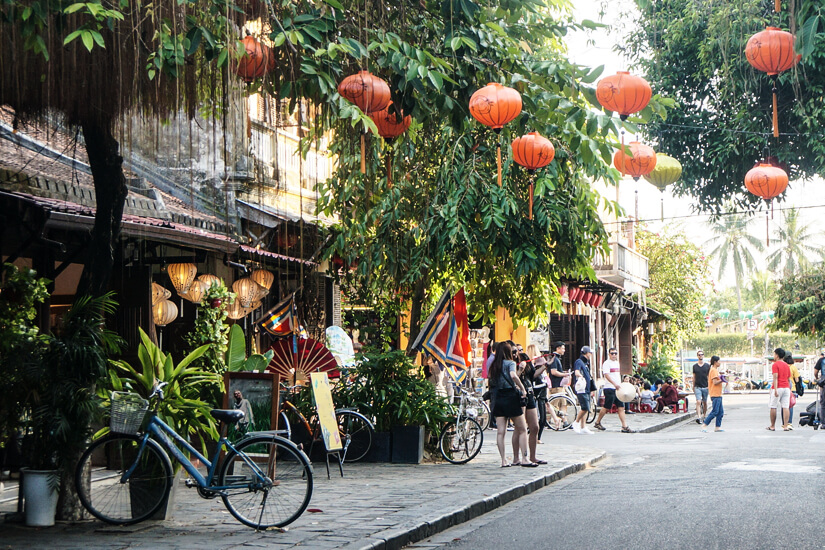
{"points": [[624, 267]]}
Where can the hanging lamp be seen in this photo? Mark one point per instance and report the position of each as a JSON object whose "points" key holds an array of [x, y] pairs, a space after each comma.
{"points": [[623, 93], [235, 310], [246, 291], [766, 181], [495, 105], [668, 170], [182, 276], [533, 151], [159, 293], [390, 125], [255, 60], [370, 94], [640, 162], [164, 312], [263, 277], [197, 290], [772, 51]]}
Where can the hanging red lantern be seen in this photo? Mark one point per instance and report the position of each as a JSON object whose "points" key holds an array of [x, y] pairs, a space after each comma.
{"points": [[533, 152], [390, 125], [771, 51], [766, 181], [585, 298], [253, 63], [623, 93], [641, 163], [370, 93], [495, 105]]}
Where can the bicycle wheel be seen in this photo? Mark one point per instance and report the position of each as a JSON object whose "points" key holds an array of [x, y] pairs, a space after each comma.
{"points": [[283, 424], [593, 412], [278, 499], [360, 431], [106, 496], [461, 441], [484, 417], [565, 409]]}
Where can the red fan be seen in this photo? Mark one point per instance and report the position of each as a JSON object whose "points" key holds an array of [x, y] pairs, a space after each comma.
{"points": [[312, 356]]}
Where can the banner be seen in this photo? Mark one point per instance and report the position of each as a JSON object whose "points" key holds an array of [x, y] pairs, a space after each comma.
{"points": [[439, 335], [326, 411], [463, 323], [281, 320]]}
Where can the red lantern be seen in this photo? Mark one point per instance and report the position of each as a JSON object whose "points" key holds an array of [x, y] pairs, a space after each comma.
{"points": [[390, 127], [599, 300], [495, 105], [573, 293], [533, 152], [370, 93], [623, 93], [771, 51], [594, 299], [585, 299], [766, 181], [640, 164], [562, 289], [253, 63]]}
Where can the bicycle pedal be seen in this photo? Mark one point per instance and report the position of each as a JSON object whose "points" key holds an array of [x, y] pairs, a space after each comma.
{"points": [[189, 482]]}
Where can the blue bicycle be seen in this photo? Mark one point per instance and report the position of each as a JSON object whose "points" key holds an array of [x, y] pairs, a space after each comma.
{"points": [[264, 480]]}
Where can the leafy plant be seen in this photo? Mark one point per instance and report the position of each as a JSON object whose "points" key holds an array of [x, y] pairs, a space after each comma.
{"points": [[236, 359], [387, 388], [188, 416], [659, 364]]}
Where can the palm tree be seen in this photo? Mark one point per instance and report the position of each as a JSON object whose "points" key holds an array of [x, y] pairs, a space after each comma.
{"points": [[793, 239], [761, 291], [733, 245]]}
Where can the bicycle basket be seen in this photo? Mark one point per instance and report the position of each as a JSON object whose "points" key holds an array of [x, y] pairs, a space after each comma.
{"points": [[128, 411]]}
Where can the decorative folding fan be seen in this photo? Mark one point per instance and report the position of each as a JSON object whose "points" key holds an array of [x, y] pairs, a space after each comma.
{"points": [[312, 356]]}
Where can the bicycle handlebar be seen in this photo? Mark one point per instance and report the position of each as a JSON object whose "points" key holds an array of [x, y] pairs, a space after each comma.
{"points": [[158, 390]]}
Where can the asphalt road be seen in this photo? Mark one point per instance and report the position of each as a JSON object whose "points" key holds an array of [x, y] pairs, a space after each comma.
{"points": [[679, 488]]}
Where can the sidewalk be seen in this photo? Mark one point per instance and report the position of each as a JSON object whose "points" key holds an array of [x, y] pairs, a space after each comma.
{"points": [[380, 506]]}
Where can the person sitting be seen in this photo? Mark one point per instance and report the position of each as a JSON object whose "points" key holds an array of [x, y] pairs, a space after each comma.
{"points": [[669, 396], [647, 397]]}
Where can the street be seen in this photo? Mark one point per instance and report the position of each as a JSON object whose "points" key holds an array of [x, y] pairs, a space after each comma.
{"points": [[678, 488]]}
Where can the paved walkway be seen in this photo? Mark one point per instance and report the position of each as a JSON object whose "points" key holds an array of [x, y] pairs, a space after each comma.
{"points": [[381, 506]]}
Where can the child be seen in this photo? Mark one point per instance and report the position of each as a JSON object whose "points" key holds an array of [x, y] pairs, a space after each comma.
{"points": [[647, 396]]}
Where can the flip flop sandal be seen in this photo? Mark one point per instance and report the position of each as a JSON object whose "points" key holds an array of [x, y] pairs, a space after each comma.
{"points": [[529, 464], [770, 429], [540, 462]]}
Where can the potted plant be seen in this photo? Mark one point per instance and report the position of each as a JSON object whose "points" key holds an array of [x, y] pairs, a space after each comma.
{"points": [[387, 388], [236, 359]]}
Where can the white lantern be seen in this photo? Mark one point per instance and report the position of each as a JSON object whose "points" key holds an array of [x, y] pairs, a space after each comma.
{"points": [[182, 276]]}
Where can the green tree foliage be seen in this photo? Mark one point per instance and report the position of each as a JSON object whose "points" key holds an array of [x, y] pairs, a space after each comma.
{"points": [[678, 279], [693, 52], [733, 246], [801, 304], [736, 344], [795, 244]]}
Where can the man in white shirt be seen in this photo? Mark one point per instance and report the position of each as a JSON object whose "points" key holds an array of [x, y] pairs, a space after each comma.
{"points": [[612, 378]]}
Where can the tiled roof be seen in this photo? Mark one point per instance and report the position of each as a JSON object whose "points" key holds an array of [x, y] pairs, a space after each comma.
{"points": [[269, 254]]}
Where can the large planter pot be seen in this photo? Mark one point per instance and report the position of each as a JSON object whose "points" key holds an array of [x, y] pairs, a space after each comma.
{"points": [[40, 496], [381, 448], [407, 444]]}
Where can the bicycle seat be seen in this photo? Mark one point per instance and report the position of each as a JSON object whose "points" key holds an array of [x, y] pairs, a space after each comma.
{"points": [[230, 416]]}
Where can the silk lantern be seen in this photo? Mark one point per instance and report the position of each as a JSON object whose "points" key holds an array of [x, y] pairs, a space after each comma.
{"points": [[255, 59], [197, 290], [164, 312], [235, 311], [263, 277], [533, 152], [495, 105], [772, 51], [640, 162], [668, 170], [390, 125], [182, 276], [623, 93], [159, 294], [246, 290], [209, 280], [370, 93], [766, 181]]}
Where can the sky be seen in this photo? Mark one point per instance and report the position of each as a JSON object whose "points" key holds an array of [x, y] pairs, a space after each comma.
{"points": [[594, 48]]}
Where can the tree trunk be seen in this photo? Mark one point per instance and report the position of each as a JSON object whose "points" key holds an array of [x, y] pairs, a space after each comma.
{"points": [[110, 191], [68, 503], [415, 311]]}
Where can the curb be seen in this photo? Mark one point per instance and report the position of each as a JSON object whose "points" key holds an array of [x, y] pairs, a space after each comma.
{"points": [[677, 419], [397, 538]]}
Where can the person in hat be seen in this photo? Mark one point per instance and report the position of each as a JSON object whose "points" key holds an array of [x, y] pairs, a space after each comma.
{"points": [[583, 386]]}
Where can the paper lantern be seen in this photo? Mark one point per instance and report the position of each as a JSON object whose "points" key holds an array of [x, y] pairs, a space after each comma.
{"points": [[495, 105], [254, 61], [197, 290], [390, 126], [772, 51], [623, 93], [668, 170], [159, 293], [533, 152], [766, 181], [235, 311], [585, 298], [369, 92], [209, 279], [263, 277], [246, 291], [641, 163], [182, 276], [164, 312]]}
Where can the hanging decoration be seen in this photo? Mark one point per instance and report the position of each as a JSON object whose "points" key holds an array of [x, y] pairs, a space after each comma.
{"points": [[235, 310], [197, 290], [389, 128], [255, 60], [263, 277], [623, 93], [668, 170], [164, 312], [533, 151], [766, 181], [208, 279], [640, 162], [246, 291], [495, 105], [370, 93], [159, 294], [182, 276], [772, 51]]}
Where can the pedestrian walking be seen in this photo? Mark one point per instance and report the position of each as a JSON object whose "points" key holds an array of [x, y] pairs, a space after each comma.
{"points": [[559, 379], [509, 394], [611, 370], [583, 386], [792, 381], [819, 373], [716, 384], [780, 390], [700, 385]]}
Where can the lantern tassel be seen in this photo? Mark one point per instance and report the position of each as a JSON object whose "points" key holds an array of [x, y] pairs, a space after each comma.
{"points": [[498, 161], [389, 167], [767, 230], [363, 153], [777, 6], [531, 200], [662, 214], [775, 116]]}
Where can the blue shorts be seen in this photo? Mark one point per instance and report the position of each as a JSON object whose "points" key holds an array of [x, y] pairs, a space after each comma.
{"points": [[584, 401], [701, 394]]}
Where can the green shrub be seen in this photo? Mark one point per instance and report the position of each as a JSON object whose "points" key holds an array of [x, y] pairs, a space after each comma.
{"points": [[736, 344]]}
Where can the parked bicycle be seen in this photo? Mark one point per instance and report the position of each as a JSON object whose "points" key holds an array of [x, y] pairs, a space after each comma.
{"points": [[483, 416], [124, 478], [356, 430], [461, 439], [564, 407]]}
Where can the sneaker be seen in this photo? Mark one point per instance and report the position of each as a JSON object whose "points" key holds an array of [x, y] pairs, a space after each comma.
{"points": [[698, 421], [587, 431], [576, 429], [599, 427]]}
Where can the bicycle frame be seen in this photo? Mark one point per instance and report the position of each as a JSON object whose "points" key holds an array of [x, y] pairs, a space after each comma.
{"points": [[162, 432]]}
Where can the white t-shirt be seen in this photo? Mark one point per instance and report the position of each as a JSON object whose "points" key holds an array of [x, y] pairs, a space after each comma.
{"points": [[647, 397], [614, 369]]}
